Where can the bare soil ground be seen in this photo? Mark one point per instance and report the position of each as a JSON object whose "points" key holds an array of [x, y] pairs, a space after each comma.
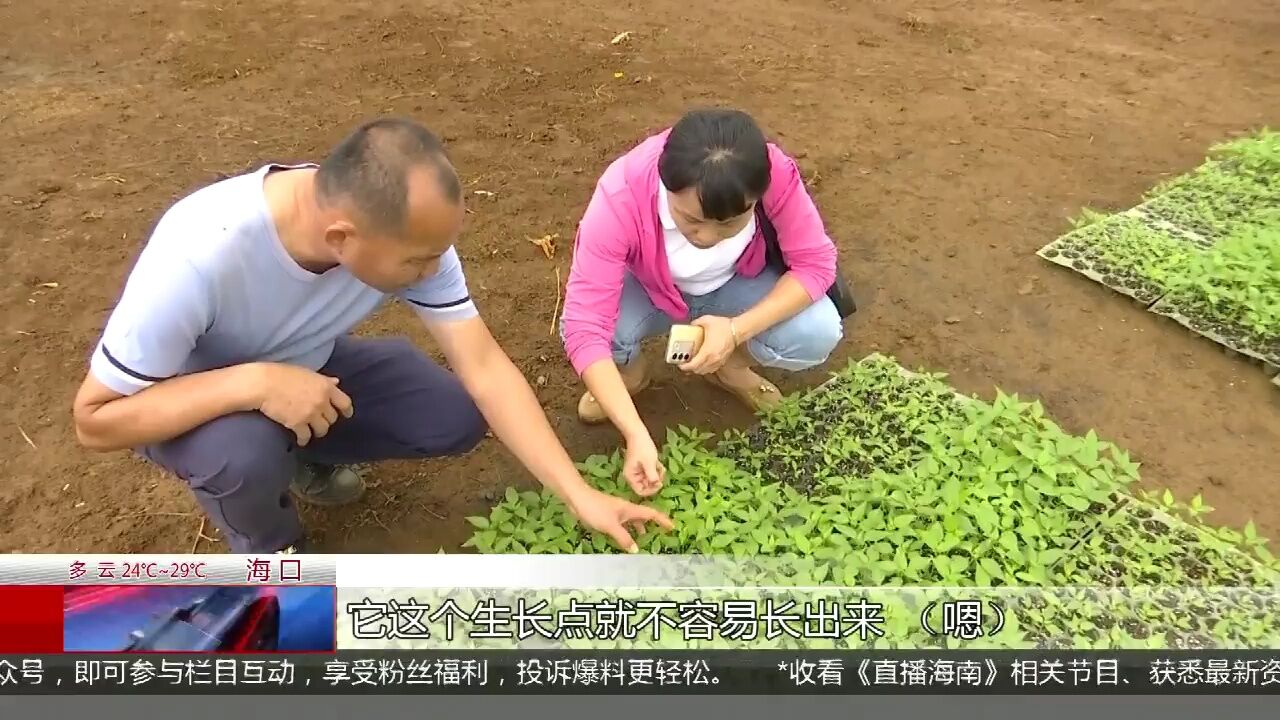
{"points": [[945, 141]]}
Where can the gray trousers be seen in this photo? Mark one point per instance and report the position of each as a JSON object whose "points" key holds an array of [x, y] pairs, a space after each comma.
{"points": [[239, 466]]}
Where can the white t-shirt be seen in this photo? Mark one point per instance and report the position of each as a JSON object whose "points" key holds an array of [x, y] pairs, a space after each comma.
{"points": [[695, 270], [214, 287]]}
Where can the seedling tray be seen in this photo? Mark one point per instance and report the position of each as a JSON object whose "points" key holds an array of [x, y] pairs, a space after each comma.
{"points": [[1235, 341], [1156, 300], [980, 498], [965, 469], [1247, 570], [1149, 250], [1069, 251]]}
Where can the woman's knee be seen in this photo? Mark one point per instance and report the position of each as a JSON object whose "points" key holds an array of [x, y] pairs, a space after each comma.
{"points": [[804, 341]]}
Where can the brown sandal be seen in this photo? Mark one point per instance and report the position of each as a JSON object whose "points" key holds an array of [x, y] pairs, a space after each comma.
{"points": [[759, 397], [590, 411]]}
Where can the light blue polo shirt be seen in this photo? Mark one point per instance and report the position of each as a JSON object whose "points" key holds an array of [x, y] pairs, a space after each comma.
{"points": [[214, 287]]}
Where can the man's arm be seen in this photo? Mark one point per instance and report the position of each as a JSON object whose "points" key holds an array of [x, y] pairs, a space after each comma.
{"points": [[106, 420], [512, 410], [508, 403], [300, 400], [134, 393]]}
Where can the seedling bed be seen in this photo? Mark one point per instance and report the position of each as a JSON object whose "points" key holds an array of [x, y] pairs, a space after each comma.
{"points": [[1122, 252], [1203, 248], [1232, 336], [1210, 203], [883, 478]]}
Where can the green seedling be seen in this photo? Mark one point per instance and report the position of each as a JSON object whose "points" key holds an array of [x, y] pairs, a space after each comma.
{"points": [[881, 478], [1206, 245]]}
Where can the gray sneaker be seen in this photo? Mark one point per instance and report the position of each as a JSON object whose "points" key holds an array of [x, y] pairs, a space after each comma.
{"points": [[327, 485], [299, 547]]}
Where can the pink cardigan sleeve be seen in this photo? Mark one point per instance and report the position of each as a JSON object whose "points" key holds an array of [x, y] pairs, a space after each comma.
{"points": [[594, 291], [807, 249]]}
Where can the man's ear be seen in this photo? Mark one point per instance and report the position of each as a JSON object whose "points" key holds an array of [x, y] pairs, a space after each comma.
{"points": [[338, 234]]}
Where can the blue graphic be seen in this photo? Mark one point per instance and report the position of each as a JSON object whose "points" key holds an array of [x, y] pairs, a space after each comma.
{"points": [[198, 619]]}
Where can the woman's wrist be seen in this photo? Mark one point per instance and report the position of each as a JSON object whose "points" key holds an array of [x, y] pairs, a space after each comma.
{"points": [[743, 328]]}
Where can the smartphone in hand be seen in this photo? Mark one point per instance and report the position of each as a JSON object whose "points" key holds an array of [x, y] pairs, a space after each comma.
{"points": [[683, 343]]}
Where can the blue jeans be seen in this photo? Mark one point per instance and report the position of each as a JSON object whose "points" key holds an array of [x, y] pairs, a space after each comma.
{"points": [[803, 341]]}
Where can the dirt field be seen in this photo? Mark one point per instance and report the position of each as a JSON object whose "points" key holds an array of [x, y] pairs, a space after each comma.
{"points": [[945, 144]]}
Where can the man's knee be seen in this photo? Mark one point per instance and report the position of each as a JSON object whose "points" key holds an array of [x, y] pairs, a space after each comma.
{"points": [[239, 468], [450, 423], [238, 453], [802, 342]]}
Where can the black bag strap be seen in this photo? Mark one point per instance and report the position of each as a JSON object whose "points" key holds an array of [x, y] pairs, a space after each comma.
{"points": [[840, 291], [772, 250]]}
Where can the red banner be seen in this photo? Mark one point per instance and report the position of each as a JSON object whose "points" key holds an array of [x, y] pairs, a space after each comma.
{"points": [[30, 618]]}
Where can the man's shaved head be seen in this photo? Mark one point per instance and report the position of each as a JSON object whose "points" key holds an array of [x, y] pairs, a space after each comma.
{"points": [[371, 170]]}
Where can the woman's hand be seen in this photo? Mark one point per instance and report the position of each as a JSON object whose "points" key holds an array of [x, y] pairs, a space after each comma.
{"points": [[642, 468], [718, 343]]}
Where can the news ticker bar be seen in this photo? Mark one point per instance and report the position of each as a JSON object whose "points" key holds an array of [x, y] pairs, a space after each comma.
{"points": [[423, 571], [567, 672], [419, 571], [168, 569]]}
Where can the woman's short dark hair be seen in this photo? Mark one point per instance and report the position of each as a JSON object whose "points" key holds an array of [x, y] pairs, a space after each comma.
{"points": [[723, 154]]}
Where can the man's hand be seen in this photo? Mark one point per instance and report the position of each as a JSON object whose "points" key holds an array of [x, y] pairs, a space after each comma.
{"points": [[504, 397], [717, 345], [610, 515], [642, 469], [301, 400]]}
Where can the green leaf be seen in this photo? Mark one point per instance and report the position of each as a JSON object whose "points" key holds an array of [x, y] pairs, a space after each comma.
{"points": [[1030, 528], [874, 519], [513, 497], [478, 521], [917, 565], [1052, 556], [951, 492], [1075, 502], [1032, 494], [1088, 453], [985, 517], [932, 536], [991, 567]]}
